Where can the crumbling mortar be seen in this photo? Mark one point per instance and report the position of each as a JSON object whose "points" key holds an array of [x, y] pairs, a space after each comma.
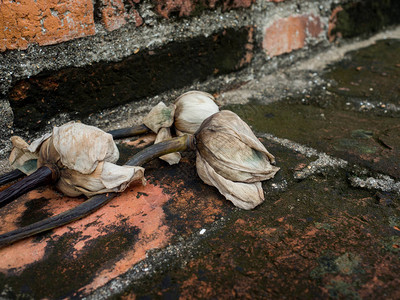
{"points": [[324, 161]]}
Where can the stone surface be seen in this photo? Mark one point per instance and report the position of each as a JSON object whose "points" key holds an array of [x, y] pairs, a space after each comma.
{"points": [[357, 119], [44, 22], [185, 8]]}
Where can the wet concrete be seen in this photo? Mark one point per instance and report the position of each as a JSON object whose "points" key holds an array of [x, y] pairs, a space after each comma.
{"points": [[329, 228]]}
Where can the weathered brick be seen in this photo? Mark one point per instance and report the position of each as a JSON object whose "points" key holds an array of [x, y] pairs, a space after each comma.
{"points": [[115, 14], [332, 24], [43, 22], [185, 8], [288, 34]]}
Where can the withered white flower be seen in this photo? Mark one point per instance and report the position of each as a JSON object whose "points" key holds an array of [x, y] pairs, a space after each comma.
{"points": [[85, 157], [231, 158], [192, 108]]}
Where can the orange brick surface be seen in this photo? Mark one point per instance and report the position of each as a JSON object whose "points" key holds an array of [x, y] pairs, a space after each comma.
{"points": [[44, 22], [288, 34], [115, 15]]}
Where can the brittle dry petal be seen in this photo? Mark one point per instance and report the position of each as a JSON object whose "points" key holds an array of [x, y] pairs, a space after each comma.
{"points": [[232, 149], [160, 116], [163, 135], [107, 177], [70, 139], [243, 195], [231, 158]]}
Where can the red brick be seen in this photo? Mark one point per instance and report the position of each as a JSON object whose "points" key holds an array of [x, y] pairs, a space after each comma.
{"points": [[44, 22], [332, 24], [185, 7], [115, 14], [288, 34]]}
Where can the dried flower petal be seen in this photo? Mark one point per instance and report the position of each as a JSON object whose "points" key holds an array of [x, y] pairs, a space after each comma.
{"points": [[192, 108], [163, 135], [21, 158], [233, 150], [243, 195], [160, 116], [70, 139], [107, 177]]}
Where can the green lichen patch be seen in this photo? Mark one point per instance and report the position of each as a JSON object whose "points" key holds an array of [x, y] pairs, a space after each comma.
{"points": [[371, 74]]}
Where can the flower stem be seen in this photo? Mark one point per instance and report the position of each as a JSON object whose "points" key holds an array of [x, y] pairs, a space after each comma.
{"points": [[43, 175], [128, 132], [178, 144], [11, 176], [92, 204]]}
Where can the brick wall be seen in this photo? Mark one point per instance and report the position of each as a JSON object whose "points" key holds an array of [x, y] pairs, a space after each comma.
{"points": [[73, 56]]}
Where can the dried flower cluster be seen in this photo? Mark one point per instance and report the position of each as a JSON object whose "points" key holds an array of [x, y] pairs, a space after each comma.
{"points": [[229, 155]]}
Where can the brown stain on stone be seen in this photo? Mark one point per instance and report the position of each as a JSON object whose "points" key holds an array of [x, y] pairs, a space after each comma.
{"points": [[332, 24]]}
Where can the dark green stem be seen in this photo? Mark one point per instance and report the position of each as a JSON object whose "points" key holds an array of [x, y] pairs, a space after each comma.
{"points": [[128, 132], [43, 175], [11, 176], [177, 144]]}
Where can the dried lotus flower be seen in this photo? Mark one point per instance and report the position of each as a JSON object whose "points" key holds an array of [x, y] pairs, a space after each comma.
{"points": [[192, 108], [96, 201], [231, 158], [84, 156]]}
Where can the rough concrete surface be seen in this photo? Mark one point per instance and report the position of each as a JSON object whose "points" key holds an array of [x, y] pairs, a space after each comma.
{"points": [[329, 228]]}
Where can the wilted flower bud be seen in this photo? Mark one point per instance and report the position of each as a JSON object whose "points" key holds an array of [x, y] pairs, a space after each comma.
{"points": [[187, 114], [192, 108], [231, 158], [85, 157]]}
